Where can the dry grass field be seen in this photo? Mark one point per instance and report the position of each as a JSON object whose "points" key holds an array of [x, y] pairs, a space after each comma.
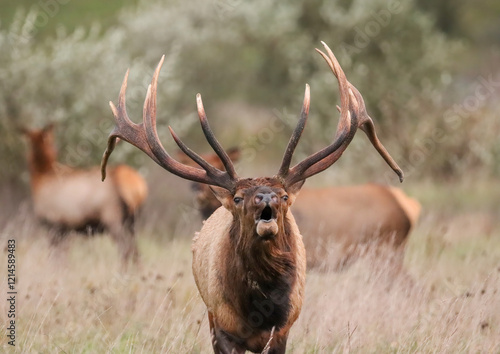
{"points": [[430, 73], [78, 301]]}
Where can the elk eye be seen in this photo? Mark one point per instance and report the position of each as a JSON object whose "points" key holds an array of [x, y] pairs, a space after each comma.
{"points": [[285, 198], [237, 200]]}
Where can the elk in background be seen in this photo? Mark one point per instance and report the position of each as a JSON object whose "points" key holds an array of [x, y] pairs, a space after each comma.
{"points": [[338, 223], [342, 223], [205, 200], [75, 199], [249, 260]]}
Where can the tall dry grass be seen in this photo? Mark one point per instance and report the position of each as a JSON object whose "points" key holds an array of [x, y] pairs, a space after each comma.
{"points": [[77, 301]]}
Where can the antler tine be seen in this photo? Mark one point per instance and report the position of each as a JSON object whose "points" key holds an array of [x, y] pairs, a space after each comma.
{"points": [[145, 137], [122, 98], [211, 171], [105, 156], [365, 123], [345, 100], [124, 129], [368, 127], [149, 111], [294, 139], [319, 161], [212, 140]]}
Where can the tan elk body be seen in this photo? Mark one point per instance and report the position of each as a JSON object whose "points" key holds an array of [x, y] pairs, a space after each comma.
{"points": [[340, 223], [249, 260], [75, 199]]}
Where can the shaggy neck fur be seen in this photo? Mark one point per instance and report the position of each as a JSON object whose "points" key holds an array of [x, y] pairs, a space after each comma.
{"points": [[263, 274]]}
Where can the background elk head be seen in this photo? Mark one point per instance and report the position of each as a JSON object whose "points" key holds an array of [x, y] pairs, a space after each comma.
{"points": [[251, 248], [42, 153], [206, 202]]}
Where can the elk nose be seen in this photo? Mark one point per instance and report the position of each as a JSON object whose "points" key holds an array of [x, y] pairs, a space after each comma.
{"points": [[266, 198]]}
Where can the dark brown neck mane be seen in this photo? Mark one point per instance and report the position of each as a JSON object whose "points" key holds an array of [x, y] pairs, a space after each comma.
{"points": [[262, 274]]}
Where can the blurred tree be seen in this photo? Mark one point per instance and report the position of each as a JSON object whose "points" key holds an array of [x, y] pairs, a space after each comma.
{"points": [[53, 14], [67, 80], [260, 52], [478, 21], [447, 14], [263, 51]]}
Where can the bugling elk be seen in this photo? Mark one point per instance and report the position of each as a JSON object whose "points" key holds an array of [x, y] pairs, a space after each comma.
{"points": [[74, 199], [249, 260], [338, 224]]}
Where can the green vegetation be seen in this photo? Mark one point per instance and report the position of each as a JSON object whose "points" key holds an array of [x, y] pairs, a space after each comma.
{"points": [[259, 54], [56, 14]]}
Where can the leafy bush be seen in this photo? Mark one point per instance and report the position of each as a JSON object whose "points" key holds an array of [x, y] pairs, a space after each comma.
{"points": [[68, 80], [263, 51], [259, 52]]}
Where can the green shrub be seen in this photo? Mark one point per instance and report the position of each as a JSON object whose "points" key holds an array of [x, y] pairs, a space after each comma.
{"points": [[259, 52]]}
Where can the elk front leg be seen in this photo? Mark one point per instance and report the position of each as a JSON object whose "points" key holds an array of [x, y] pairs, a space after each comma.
{"points": [[279, 347], [220, 341], [127, 245]]}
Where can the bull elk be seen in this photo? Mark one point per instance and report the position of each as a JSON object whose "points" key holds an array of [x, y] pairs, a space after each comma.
{"points": [[338, 223], [249, 260], [74, 199]]}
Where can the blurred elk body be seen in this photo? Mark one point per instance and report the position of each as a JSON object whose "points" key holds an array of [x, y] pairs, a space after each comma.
{"points": [[341, 223], [338, 223], [75, 199], [249, 259]]}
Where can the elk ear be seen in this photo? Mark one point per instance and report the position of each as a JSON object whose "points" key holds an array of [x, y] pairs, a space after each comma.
{"points": [[223, 195], [294, 190]]}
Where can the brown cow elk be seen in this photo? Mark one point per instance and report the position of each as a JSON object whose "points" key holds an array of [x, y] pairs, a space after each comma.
{"points": [[248, 259], [75, 199], [338, 223]]}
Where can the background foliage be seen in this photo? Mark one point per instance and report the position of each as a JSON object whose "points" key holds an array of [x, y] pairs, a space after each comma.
{"points": [[402, 55]]}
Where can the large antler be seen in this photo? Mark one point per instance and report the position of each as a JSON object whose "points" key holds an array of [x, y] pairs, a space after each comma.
{"points": [[353, 115], [145, 137]]}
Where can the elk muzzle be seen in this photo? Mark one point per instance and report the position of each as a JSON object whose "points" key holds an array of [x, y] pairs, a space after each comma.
{"points": [[267, 209]]}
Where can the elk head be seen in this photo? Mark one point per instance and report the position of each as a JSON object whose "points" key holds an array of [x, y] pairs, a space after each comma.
{"points": [[42, 152]]}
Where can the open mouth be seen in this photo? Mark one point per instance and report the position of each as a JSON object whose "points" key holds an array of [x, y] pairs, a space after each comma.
{"points": [[267, 214], [267, 227]]}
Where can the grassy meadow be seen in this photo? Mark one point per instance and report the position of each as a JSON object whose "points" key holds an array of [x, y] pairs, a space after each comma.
{"points": [[76, 300]]}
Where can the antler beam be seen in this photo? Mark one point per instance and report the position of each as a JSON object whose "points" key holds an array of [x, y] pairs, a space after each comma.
{"points": [[353, 115]]}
